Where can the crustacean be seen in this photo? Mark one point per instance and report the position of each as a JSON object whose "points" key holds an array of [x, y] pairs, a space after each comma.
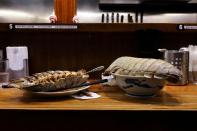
{"points": [[144, 67], [51, 81]]}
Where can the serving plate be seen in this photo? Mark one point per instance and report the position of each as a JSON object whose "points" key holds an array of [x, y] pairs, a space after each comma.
{"points": [[66, 92]]}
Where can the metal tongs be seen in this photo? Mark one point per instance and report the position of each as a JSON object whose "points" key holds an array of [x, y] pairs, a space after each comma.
{"points": [[95, 69], [96, 81], [104, 80]]}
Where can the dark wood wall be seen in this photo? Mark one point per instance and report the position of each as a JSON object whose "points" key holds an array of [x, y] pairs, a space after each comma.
{"points": [[73, 50]]}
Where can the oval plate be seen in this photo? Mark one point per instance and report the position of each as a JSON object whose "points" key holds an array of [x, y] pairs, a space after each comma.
{"points": [[66, 92]]}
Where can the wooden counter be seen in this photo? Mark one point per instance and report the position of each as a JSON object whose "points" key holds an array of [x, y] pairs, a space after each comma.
{"points": [[176, 98]]}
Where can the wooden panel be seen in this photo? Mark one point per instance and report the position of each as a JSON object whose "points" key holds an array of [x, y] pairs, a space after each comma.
{"points": [[65, 10], [71, 50]]}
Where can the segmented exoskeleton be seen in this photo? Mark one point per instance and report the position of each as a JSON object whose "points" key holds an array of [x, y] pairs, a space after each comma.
{"points": [[50, 81], [144, 67]]}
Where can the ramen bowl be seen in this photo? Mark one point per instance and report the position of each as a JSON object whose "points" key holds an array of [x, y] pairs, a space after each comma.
{"points": [[139, 86]]}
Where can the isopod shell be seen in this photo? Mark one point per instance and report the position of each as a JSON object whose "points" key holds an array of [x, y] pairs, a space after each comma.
{"points": [[144, 67], [51, 81]]}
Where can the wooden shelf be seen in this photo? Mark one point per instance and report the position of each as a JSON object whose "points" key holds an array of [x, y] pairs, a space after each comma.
{"points": [[178, 27], [171, 98]]}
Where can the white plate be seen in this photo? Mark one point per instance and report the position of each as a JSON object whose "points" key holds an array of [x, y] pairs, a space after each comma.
{"points": [[66, 92]]}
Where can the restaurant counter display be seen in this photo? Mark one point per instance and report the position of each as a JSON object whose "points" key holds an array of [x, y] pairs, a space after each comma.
{"points": [[87, 46]]}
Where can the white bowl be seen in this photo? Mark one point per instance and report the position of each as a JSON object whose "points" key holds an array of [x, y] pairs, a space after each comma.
{"points": [[139, 86]]}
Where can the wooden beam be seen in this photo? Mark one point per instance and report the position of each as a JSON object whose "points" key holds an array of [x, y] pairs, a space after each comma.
{"points": [[65, 10]]}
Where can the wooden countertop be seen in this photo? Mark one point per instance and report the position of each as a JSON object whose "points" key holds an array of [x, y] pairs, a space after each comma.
{"points": [[170, 98]]}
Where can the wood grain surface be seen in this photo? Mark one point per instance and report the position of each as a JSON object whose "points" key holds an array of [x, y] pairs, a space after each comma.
{"points": [[178, 98], [65, 10]]}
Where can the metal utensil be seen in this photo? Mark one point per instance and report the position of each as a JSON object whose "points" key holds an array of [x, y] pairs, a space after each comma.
{"points": [[89, 83], [95, 69], [1, 54], [94, 82]]}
